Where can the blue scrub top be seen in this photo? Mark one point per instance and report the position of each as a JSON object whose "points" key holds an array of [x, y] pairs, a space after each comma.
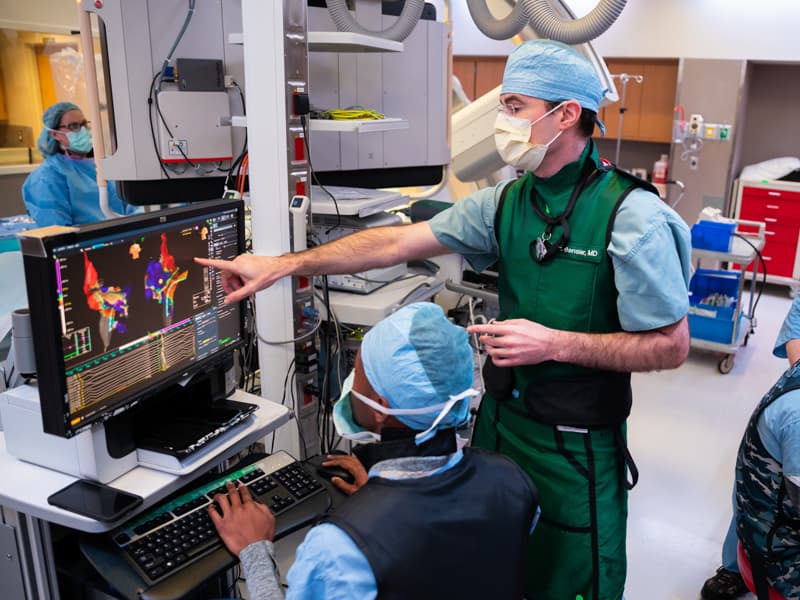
{"points": [[63, 191], [650, 249]]}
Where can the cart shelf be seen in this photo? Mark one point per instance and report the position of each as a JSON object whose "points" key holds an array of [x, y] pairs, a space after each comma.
{"points": [[743, 251]]}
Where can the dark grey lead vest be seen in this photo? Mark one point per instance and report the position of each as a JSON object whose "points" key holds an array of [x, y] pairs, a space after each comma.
{"points": [[767, 524], [459, 534]]}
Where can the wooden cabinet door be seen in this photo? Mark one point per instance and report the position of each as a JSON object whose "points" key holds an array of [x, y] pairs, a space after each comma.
{"points": [[632, 101], [658, 101], [488, 74], [479, 74], [464, 69], [648, 105]]}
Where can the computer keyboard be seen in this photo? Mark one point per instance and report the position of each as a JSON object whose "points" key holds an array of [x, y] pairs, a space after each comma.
{"points": [[165, 539]]}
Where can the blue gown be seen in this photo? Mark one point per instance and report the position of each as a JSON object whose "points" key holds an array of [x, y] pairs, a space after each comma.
{"points": [[63, 191]]}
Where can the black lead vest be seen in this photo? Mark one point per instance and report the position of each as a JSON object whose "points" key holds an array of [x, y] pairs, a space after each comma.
{"points": [[555, 270], [459, 534]]}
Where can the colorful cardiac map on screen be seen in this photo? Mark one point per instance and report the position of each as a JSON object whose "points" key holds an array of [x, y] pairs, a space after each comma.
{"points": [[162, 279], [110, 302]]}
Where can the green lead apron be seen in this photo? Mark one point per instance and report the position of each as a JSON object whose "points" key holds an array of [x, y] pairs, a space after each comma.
{"points": [[564, 424]]}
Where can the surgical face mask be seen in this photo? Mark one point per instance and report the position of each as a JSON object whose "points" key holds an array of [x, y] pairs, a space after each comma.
{"points": [[79, 141], [345, 431], [512, 137]]}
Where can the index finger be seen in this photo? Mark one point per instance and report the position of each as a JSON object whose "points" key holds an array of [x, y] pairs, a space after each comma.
{"points": [[244, 492], [217, 263], [487, 329]]}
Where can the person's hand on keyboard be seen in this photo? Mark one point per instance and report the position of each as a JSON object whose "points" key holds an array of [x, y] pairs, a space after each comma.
{"points": [[353, 466], [243, 520]]}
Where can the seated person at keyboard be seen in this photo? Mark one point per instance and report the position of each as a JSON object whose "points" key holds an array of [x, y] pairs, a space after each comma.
{"points": [[432, 520]]}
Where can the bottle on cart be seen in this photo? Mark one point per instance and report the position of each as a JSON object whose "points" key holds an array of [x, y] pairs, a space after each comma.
{"points": [[660, 170]]}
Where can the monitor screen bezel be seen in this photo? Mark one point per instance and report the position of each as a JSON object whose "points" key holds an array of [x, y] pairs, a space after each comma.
{"points": [[37, 249]]}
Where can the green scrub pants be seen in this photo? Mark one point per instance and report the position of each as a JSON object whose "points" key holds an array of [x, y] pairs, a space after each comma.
{"points": [[577, 550]]}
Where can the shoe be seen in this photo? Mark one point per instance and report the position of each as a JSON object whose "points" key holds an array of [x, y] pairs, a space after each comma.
{"points": [[724, 585]]}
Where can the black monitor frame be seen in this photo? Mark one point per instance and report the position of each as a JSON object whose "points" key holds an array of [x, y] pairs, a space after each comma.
{"points": [[37, 249]]}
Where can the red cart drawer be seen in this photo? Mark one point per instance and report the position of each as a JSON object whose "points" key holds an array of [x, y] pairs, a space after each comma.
{"points": [[763, 209], [778, 258], [777, 233], [767, 193]]}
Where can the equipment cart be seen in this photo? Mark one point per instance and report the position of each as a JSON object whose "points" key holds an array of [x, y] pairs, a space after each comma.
{"points": [[718, 326]]}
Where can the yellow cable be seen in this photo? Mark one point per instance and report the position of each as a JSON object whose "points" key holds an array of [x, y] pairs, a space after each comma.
{"points": [[347, 114]]}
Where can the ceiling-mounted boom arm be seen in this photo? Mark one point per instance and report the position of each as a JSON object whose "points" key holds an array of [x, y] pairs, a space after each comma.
{"points": [[548, 20]]}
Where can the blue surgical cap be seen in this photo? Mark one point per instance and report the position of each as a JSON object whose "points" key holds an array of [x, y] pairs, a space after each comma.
{"points": [[553, 71], [48, 145], [416, 358], [790, 330]]}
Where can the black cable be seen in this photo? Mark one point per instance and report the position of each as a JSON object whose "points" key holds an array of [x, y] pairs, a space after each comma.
{"points": [[160, 75], [238, 160], [283, 399], [755, 271], [152, 127], [297, 415], [315, 178]]}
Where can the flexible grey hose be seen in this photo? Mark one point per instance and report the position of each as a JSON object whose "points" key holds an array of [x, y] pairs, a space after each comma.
{"points": [[501, 29], [399, 31], [546, 22]]}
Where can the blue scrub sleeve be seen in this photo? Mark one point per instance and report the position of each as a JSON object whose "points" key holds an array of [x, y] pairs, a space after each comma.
{"points": [[46, 196], [650, 249], [329, 565], [789, 330], [651, 252], [467, 227], [779, 430]]}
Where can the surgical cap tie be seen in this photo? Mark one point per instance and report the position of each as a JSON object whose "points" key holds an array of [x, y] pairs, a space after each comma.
{"points": [[443, 408]]}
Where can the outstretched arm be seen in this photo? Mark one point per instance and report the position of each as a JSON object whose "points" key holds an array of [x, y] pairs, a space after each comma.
{"points": [[367, 249], [522, 342]]}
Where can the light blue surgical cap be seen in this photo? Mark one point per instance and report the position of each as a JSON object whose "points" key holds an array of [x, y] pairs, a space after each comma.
{"points": [[553, 71], [790, 330], [47, 144], [415, 358]]}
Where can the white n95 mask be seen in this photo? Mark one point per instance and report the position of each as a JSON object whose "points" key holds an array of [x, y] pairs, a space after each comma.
{"points": [[347, 428], [512, 138]]}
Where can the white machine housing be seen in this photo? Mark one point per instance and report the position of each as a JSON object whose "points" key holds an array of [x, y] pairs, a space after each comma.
{"points": [[136, 38], [183, 111], [83, 455], [411, 85], [326, 229]]}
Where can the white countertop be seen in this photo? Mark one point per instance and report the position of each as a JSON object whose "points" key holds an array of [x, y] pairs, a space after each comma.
{"points": [[17, 169], [25, 487]]}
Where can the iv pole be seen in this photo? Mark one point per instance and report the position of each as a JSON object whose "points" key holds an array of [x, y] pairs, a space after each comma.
{"points": [[624, 78]]}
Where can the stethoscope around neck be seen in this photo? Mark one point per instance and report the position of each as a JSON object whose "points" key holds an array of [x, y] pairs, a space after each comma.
{"points": [[541, 249]]}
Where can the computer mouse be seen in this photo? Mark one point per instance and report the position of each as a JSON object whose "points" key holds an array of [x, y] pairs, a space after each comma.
{"points": [[328, 472]]}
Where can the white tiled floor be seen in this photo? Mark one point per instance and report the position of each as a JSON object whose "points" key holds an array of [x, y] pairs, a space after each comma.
{"points": [[684, 431]]}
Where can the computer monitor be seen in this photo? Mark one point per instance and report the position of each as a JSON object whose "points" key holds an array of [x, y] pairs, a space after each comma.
{"points": [[120, 311]]}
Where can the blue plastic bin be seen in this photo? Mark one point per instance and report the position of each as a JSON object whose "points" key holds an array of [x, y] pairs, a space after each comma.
{"points": [[712, 235], [717, 325]]}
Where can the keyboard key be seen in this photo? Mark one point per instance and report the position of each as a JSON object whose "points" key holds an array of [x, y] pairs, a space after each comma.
{"points": [[172, 539]]}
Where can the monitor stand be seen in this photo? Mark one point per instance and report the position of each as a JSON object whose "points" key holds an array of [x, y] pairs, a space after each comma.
{"points": [[183, 423], [173, 431]]}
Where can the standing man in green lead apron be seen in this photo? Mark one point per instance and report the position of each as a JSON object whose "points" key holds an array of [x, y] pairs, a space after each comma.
{"points": [[594, 272], [593, 269]]}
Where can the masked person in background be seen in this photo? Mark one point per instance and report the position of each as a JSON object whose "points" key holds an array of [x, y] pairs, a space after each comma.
{"points": [[593, 275], [429, 520], [63, 189]]}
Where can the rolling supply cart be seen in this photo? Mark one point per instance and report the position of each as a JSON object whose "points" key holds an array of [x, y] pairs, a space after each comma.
{"points": [[720, 320]]}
